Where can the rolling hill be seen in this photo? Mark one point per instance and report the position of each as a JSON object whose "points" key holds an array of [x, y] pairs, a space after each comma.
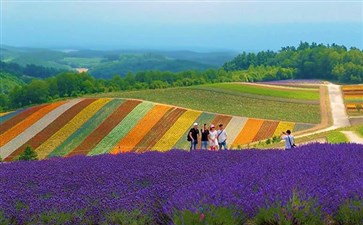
{"points": [[92, 126], [106, 64], [239, 99]]}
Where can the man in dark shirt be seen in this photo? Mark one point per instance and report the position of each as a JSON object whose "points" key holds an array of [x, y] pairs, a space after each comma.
{"points": [[205, 133], [194, 136]]}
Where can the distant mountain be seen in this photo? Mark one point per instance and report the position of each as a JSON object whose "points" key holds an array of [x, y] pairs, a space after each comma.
{"points": [[108, 63]]}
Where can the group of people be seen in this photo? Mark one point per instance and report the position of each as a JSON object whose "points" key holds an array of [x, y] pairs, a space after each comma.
{"points": [[210, 138], [217, 139]]}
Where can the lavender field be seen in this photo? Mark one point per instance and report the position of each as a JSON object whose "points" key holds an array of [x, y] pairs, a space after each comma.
{"points": [[158, 184]]}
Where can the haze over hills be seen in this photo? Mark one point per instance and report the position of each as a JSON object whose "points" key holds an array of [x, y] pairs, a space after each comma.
{"points": [[103, 63]]}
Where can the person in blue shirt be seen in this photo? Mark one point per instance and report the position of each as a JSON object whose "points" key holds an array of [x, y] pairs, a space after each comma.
{"points": [[289, 140]]}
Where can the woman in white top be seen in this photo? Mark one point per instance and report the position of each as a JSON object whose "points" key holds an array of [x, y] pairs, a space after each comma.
{"points": [[213, 140]]}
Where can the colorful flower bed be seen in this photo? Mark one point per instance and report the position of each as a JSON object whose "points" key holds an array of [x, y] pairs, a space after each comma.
{"points": [[52, 128], [248, 132], [87, 190], [283, 126], [7, 124], [161, 127], [266, 131], [170, 138], [206, 118], [27, 122], [102, 130], [353, 99], [35, 128], [94, 126], [141, 129], [8, 115], [77, 137], [61, 135], [110, 141]]}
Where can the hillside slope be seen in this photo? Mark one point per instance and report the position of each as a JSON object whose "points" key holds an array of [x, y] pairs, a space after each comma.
{"points": [[93, 126]]}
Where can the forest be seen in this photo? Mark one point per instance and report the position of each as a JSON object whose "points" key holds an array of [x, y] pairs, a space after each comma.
{"points": [[307, 61]]}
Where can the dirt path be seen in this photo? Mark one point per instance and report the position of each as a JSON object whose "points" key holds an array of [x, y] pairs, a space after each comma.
{"points": [[337, 108], [340, 117], [353, 137]]}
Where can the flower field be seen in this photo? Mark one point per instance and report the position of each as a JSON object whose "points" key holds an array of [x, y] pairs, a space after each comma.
{"points": [[62, 134], [353, 99], [93, 126], [87, 190], [141, 129], [27, 122]]}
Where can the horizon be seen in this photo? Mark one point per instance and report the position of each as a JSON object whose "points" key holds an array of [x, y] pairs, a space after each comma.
{"points": [[202, 26]]}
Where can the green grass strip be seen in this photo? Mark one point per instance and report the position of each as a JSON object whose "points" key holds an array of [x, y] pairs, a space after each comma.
{"points": [[335, 137], [360, 130], [122, 129], [76, 138], [231, 103], [265, 91], [203, 118]]}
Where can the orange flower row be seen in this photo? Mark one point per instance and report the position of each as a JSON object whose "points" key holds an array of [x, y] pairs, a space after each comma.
{"points": [[141, 129], [27, 122], [248, 132]]}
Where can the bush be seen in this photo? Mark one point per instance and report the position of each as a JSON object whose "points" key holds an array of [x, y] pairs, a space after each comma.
{"points": [[268, 141], [1, 159], [28, 154], [296, 211], [350, 213], [210, 215]]}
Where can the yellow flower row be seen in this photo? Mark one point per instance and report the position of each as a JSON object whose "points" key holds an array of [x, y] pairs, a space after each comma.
{"points": [[171, 137], [62, 134], [4, 113], [283, 126]]}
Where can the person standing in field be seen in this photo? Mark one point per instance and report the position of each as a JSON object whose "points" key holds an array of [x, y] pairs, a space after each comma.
{"points": [[222, 137], [194, 136], [289, 140], [213, 141], [205, 132]]}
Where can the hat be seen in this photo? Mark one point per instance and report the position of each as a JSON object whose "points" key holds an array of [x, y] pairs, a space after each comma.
{"points": [[211, 126], [195, 124]]}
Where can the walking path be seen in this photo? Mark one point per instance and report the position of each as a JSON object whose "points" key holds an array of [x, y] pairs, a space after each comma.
{"points": [[337, 107], [353, 137]]}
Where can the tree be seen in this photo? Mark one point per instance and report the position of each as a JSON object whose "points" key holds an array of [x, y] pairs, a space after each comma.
{"points": [[28, 154]]}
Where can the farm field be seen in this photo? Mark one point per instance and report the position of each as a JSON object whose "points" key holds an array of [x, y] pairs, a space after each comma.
{"points": [[269, 90], [353, 99], [218, 99], [159, 188], [93, 126]]}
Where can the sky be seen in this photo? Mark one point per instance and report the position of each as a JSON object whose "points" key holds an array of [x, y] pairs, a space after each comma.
{"points": [[180, 25]]}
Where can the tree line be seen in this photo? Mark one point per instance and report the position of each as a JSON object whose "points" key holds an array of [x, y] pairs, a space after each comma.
{"points": [[30, 70], [307, 61]]}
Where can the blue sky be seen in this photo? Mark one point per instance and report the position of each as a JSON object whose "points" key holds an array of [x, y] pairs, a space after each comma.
{"points": [[192, 25]]}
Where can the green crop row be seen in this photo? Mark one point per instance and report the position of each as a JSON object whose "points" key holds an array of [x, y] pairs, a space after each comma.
{"points": [[122, 128], [77, 137]]}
